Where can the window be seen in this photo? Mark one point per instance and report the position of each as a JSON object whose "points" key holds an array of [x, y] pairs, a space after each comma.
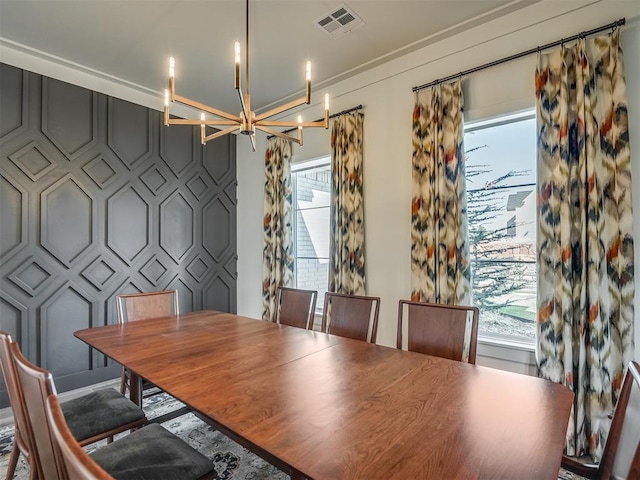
{"points": [[311, 183], [501, 208]]}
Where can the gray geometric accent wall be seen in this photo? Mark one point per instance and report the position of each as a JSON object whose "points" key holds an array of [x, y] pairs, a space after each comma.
{"points": [[98, 197]]}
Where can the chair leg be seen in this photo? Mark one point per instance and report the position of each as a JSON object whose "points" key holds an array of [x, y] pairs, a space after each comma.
{"points": [[123, 382], [13, 460]]}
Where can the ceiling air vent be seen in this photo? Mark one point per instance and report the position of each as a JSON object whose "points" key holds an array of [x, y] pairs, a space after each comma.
{"points": [[340, 21]]}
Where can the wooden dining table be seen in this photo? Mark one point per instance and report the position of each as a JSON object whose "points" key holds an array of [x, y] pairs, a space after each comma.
{"points": [[325, 407]]}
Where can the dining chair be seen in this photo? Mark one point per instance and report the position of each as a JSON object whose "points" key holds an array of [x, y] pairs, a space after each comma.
{"points": [[91, 417], [149, 453], [447, 331], [351, 316], [132, 307], [20, 445], [296, 307], [621, 453]]}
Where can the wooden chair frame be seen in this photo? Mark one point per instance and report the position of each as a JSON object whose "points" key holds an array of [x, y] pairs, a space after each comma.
{"points": [[34, 385], [20, 440], [291, 306], [607, 465], [439, 337], [142, 306], [358, 308], [69, 455]]}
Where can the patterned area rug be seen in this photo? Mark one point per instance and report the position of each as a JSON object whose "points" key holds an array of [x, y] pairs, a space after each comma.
{"points": [[230, 459]]}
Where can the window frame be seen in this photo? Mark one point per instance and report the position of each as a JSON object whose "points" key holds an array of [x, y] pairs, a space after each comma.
{"points": [[297, 167], [490, 338]]}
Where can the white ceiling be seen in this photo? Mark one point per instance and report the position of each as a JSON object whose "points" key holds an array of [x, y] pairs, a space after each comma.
{"points": [[133, 39]]}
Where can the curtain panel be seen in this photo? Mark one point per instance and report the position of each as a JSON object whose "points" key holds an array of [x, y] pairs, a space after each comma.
{"points": [[585, 233], [278, 260], [346, 236], [440, 270]]}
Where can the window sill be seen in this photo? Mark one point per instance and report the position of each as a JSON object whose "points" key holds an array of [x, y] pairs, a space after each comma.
{"points": [[507, 354], [511, 343]]}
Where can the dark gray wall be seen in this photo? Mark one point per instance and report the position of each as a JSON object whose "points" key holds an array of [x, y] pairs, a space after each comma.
{"points": [[97, 197]]}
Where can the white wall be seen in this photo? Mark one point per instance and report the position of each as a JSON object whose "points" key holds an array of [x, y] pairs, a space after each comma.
{"points": [[385, 92]]}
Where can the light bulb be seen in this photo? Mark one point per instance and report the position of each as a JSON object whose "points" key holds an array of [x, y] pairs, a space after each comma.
{"points": [[300, 122], [166, 97], [326, 102], [308, 71], [172, 67], [237, 52], [202, 116]]}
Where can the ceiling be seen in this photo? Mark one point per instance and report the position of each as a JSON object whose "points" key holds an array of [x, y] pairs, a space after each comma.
{"points": [[132, 40]]}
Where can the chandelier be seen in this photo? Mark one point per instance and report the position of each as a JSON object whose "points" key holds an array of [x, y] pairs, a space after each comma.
{"points": [[247, 122]]}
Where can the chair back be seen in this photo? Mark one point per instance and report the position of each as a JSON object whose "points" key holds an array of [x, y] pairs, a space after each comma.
{"points": [[351, 316], [142, 306], [447, 331], [72, 458], [296, 307], [22, 433], [37, 385], [621, 454]]}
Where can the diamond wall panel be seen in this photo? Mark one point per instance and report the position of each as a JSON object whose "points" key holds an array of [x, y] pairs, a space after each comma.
{"points": [[219, 168], [129, 131], [69, 116], [68, 310], [177, 226], [68, 219], [13, 212], [155, 179], [126, 214], [101, 171], [186, 294], [154, 271], [33, 163], [32, 276], [128, 224], [14, 317], [13, 83], [177, 148], [218, 228], [100, 272], [218, 295]]}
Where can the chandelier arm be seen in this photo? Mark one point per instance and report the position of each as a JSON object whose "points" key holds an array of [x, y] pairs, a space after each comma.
{"points": [[219, 134], [185, 121], [206, 108], [282, 108], [276, 133], [283, 123]]}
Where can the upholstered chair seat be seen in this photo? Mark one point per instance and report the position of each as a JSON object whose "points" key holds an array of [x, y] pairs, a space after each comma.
{"points": [[151, 453], [98, 412]]}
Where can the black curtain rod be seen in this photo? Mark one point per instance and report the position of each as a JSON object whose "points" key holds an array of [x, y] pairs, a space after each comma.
{"points": [[531, 51], [343, 112]]}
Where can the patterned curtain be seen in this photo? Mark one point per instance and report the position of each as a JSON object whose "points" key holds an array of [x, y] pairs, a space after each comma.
{"points": [[440, 270], [346, 237], [585, 240], [278, 224]]}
